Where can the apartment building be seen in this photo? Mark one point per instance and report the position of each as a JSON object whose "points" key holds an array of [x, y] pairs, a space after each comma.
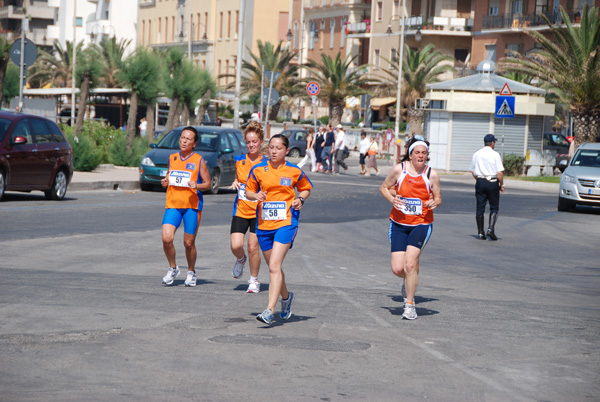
{"points": [[208, 30], [40, 15], [501, 25]]}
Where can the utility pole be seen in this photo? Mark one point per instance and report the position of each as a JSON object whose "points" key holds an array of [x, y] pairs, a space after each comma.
{"points": [[74, 62], [238, 67]]}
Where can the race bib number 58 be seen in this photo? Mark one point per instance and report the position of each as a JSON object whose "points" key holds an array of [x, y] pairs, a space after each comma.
{"points": [[412, 206], [179, 178], [274, 211]]}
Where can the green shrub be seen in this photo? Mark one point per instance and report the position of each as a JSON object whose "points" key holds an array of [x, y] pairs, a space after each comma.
{"points": [[324, 120], [118, 154], [513, 164], [86, 156]]}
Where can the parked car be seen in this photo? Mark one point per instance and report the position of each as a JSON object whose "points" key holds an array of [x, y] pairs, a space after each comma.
{"points": [[218, 146], [34, 155], [559, 143], [297, 142], [580, 182]]}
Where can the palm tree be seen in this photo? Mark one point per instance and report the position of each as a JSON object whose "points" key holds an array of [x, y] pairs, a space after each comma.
{"points": [[87, 75], [4, 60], [174, 84], [272, 58], [338, 81], [201, 88], [569, 67], [11, 82], [113, 53], [420, 67], [141, 72], [56, 67]]}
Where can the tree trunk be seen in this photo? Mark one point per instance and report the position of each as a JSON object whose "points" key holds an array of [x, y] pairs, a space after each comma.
{"points": [[336, 111], [85, 90], [274, 110], [185, 115], [202, 108], [172, 111], [131, 128], [585, 124], [150, 119], [3, 66], [415, 118]]}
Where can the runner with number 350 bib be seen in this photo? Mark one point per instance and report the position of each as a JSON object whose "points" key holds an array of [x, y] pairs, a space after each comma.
{"points": [[413, 188], [273, 184]]}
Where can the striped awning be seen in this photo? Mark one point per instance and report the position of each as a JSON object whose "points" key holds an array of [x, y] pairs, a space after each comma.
{"points": [[377, 103]]}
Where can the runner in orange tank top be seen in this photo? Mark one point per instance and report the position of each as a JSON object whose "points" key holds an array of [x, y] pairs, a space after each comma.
{"points": [[413, 188]]}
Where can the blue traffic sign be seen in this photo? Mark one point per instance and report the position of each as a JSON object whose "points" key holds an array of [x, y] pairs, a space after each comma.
{"points": [[505, 107]]}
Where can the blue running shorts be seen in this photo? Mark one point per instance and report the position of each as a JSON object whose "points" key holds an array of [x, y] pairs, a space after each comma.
{"points": [[402, 236], [190, 217], [283, 235]]}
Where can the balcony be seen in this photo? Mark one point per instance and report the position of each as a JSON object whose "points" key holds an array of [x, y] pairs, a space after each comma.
{"points": [[519, 21], [146, 3], [12, 13]]}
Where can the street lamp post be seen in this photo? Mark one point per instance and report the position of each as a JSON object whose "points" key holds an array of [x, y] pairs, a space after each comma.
{"points": [[399, 91], [238, 67]]}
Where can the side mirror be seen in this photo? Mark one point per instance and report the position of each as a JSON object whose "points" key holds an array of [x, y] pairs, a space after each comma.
{"points": [[563, 163], [20, 140], [153, 145]]}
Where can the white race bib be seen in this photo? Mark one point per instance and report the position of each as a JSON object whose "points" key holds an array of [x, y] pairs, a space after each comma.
{"points": [[179, 178], [274, 211], [412, 206], [242, 193]]}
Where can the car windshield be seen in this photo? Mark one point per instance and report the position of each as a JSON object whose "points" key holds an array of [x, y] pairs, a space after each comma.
{"points": [[206, 142], [4, 124], [587, 158]]}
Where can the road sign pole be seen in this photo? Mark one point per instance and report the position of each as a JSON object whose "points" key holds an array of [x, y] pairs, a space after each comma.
{"points": [[269, 100], [21, 67], [503, 120], [262, 88], [314, 105]]}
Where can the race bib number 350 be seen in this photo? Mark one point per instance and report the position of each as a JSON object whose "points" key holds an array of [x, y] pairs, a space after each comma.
{"points": [[412, 206], [274, 211], [180, 178]]}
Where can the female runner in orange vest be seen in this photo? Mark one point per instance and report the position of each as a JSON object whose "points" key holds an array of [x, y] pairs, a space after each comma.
{"points": [[413, 188]]}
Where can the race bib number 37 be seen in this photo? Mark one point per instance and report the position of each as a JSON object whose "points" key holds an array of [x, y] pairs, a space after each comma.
{"points": [[274, 211], [180, 178], [412, 206]]}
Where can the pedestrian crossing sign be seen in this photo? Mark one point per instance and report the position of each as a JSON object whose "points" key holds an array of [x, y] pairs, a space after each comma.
{"points": [[505, 107]]}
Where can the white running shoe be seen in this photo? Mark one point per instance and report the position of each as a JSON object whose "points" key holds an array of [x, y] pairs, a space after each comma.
{"points": [[253, 286], [238, 268], [191, 279], [172, 273], [410, 312], [286, 306]]}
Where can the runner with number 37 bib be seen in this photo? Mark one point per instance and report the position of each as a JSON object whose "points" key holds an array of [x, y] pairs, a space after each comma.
{"points": [[413, 188]]}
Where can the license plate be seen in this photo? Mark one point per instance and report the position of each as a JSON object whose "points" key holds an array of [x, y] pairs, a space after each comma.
{"points": [[163, 173], [594, 191]]}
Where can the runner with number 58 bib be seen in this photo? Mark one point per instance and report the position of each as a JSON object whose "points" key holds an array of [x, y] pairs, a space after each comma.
{"points": [[273, 184], [413, 188]]}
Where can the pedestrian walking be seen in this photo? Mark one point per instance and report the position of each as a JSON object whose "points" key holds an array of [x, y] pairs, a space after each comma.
{"points": [[273, 184], [310, 151], [244, 210], [143, 126], [414, 190], [488, 171], [372, 152], [339, 149], [319, 138], [186, 178], [327, 152], [363, 146]]}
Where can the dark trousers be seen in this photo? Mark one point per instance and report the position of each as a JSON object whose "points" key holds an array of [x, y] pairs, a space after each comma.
{"points": [[487, 191]]}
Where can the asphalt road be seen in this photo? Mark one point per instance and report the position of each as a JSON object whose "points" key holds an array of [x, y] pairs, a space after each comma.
{"points": [[84, 316]]}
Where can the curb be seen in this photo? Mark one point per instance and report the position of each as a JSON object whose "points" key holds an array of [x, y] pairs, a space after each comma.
{"points": [[104, 185]]}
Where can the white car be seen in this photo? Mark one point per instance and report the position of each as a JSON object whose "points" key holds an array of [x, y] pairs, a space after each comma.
{"points": [[580, 182]]}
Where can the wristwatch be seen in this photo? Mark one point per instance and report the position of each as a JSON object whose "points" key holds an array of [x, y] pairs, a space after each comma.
{"points": [[301, 200]]}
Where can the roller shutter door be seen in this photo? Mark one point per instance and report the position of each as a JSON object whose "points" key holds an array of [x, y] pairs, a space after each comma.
{"points": [[536, 132], [468, 130], [514, 136]]}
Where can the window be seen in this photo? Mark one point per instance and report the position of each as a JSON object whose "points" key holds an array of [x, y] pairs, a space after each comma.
{"points": [[159, 30], [343, 32], [173, 29], [234, 141], [461, 54], [514, 47], [206, 22], [221, 25], [198, 26], [224, 142], [149, 31], [332, 33], [41, 132], [295, 35], [393, 54], [22, 130], [311, 40], [4, 124], [516, 6], [379, 10], [377, 58], [58, 135], [490, 52], [219, 72], [227, 71], [237, 23], [166, 30], [228, 24], [541, 6], [494, 7], [143, 31], [396, 9]]}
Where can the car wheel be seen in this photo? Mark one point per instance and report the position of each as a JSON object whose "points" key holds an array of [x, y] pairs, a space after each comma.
{"points": [[565, 205], [146, 187], [59, 187], [215, 182], [295, 153], [2, 183]]}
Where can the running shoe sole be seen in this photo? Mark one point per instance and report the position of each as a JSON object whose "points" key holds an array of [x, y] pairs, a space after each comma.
{"points": [[175, 275]]}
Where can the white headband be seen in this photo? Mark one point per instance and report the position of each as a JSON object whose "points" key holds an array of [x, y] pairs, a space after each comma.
{"points": [[416, 144]]}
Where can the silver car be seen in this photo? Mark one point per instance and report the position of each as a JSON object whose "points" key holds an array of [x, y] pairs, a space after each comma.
{"points": [[580, 182]]}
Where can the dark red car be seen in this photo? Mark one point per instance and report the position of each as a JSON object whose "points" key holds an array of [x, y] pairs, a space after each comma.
{"points": [[34, 155]]}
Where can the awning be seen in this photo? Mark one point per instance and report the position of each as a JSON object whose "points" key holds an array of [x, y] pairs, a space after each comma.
{"points": [[377, 103]]}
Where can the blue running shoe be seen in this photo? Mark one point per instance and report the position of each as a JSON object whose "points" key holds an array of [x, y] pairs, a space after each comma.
{"points": [[266, 317], [286, 306]]}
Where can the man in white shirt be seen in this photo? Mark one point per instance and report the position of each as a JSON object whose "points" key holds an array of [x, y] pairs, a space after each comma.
{"points": [[338, 149], [488, 171], [363, 146]]}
